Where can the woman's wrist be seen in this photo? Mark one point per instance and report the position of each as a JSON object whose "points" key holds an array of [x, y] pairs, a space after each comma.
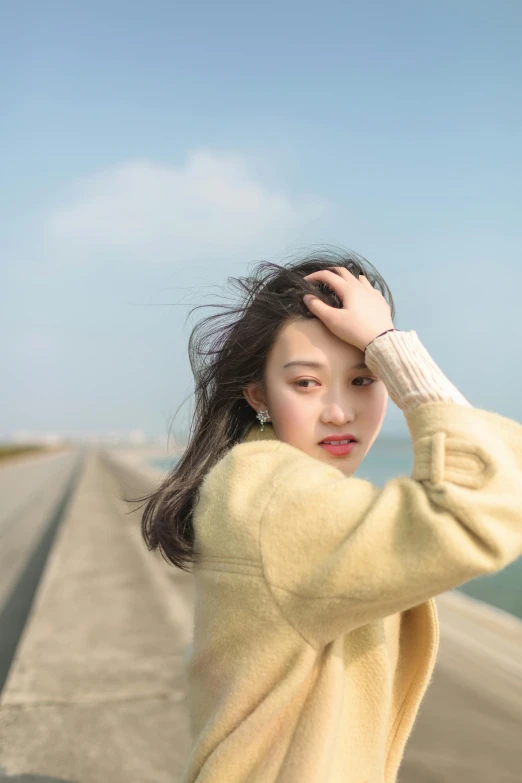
{"points": [[409, 372], [381, 334]]}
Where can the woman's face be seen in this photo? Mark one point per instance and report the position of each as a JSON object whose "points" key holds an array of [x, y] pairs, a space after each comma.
{"points": [[309, 403]]}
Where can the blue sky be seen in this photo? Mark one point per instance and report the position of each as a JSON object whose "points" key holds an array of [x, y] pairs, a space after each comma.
{"points": [[150, 150]]}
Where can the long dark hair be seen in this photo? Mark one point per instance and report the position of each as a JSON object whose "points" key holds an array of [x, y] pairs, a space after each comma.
{"points": [[228, 350]]}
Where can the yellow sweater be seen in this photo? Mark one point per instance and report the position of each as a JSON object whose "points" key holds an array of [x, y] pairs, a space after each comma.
{"points": [[315, 629]]}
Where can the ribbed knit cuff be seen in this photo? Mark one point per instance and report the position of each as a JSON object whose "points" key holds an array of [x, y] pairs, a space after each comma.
{"points": [[411, 376]]}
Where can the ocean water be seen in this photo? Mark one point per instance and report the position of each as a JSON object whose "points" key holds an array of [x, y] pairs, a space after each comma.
{"points": [[392, 457]]}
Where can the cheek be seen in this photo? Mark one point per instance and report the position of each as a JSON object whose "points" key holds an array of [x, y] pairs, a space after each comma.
{"points": [[379, 406], [291, 410]]}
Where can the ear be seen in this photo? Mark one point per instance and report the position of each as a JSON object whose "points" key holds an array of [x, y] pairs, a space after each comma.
{"points": [[255, 397]]}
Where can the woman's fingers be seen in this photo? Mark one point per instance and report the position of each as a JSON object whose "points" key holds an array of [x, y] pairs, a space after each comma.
{"points": [[337, 282], [326, 313], [364, 312]]}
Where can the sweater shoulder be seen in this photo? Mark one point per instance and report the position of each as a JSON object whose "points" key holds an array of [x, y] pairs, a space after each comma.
{"points": [[244, 461], [236, 490]]}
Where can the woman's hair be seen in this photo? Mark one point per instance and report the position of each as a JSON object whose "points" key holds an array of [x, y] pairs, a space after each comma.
{"points": [[227, 351]]}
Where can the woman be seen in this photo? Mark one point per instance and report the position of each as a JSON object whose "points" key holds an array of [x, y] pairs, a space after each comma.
{"points": [[315, 629]]}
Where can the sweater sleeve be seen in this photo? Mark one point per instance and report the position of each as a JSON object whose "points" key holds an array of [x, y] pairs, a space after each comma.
{"points": [[411, 376], [337, 552]]}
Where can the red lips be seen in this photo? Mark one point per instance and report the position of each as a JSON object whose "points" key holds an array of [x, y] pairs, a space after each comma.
{"points": [[347, 436]]}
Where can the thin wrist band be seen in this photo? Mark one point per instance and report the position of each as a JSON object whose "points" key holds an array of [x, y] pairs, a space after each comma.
{"points": [[380, 335]]}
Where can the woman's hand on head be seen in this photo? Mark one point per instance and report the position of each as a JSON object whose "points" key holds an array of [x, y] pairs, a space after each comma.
{"points": [[365, 312]]}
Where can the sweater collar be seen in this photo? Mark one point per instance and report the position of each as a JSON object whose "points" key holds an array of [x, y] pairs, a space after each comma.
{"points": [[254, 432]]}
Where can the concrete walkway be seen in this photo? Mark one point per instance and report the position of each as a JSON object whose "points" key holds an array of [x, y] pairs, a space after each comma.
{"points": [[94, 693], [30, 488]]}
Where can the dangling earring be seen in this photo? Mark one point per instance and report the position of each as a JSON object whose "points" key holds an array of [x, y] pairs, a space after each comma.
{"points": [[262, 416]]}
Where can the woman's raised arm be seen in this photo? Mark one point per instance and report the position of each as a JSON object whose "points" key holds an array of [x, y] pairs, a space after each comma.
{"points": [[338, 552]]}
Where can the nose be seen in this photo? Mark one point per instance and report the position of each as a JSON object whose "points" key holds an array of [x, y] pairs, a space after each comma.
{"points": [[337, 414]]}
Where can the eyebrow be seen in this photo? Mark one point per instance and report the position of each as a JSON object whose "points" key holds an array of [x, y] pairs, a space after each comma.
{"points": [[320, 366]]}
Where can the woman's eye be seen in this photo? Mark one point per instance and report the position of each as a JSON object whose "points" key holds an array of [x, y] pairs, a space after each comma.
{"points": [[310, 380]]}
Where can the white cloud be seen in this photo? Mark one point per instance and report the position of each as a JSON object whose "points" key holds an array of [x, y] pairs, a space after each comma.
{"points": [[211, 203]]}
